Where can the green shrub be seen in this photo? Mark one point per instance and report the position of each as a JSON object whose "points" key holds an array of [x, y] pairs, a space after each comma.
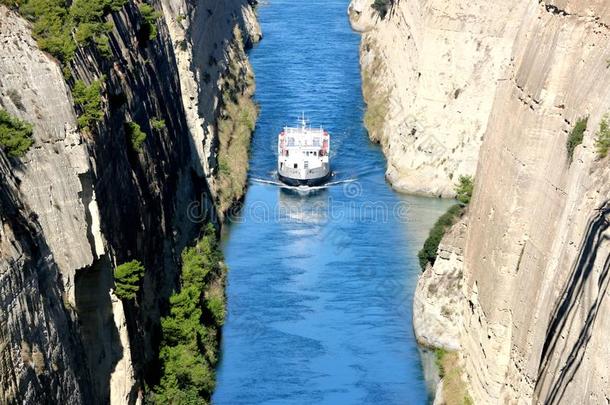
{"points": [[15, 135], [157, 124], [54, 22], [216, 306], [135, 135], [464, 189], [89, 98], [602, 142], [382, 7], [576, 136], [189, 346], [150, 16], [51, 26], [10, 3], [127, 278], [428, 253], [439, 355]]}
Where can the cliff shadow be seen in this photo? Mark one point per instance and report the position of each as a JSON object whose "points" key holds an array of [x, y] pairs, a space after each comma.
{"points": [[99, 333], [561, 358]]}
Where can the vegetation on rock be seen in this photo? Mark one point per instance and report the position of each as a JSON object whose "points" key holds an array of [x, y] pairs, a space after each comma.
{"points": [[135, 135], [150, 16], [189, 347], [15, 135], [157, 124], [454, 388], [127, 278], [235, 125], [89, 98], [428, 253], [602, 142], [60, 26], [464, 189], [576, 136]]}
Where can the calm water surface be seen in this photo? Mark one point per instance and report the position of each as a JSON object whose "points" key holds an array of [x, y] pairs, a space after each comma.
{"points": [[320, 285]]}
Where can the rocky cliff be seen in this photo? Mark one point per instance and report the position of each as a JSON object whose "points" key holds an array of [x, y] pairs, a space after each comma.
{"points": [[429, 70], [83, 200], [537, 254], [531, 307]]}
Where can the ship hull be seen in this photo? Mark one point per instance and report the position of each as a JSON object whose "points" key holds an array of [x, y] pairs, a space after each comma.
{"points": [[312, 182]]}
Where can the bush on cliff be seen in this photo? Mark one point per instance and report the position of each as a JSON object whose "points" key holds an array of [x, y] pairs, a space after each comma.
{"points": [[51, 26], [89, 99], [602, 142], [127, 278], [157, 124], [189, 346], [150, 16], [135, 135], [15, 135], [55, 21], [576, 136], [428, 252], [464, 189]]}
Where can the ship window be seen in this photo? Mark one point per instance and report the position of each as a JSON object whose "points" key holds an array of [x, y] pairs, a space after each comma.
{"points": [[281, 165], [296, 165]]}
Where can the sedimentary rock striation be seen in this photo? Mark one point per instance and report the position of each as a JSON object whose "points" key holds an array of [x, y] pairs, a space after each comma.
{"points": [[536, 257], [535, 247], [82, 201]]}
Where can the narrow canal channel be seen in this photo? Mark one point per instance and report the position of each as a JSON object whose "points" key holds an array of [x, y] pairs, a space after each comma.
{"points": [[320, 285]]}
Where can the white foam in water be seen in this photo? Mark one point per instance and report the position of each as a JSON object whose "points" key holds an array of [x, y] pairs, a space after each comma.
{"points": [[304, 189]]}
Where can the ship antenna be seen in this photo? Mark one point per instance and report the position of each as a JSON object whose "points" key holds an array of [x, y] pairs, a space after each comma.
{"points": [[303, 123]]}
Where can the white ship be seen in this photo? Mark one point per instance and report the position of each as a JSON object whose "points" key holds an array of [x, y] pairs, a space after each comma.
{"points": [[303, 155]]}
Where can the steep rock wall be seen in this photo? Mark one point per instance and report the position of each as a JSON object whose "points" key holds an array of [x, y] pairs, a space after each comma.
{"points": [[81, 202], [430, 70], [438, 296], [536, 257], [537, 250]]}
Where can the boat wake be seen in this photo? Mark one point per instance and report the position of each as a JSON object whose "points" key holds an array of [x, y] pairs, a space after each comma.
{"points": [[277, 183]]}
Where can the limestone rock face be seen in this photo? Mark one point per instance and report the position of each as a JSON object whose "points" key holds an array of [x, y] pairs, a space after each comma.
{"points": [[536, 252], [81, 202], [536, 257], [44, 236], [430, 71], [437, 304]]}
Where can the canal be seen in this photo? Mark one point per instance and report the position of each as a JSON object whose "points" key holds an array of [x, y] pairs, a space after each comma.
{"points": [[320, 284]]}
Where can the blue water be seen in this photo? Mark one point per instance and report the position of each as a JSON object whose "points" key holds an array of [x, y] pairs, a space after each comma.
{"points": [[320, 285]]}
